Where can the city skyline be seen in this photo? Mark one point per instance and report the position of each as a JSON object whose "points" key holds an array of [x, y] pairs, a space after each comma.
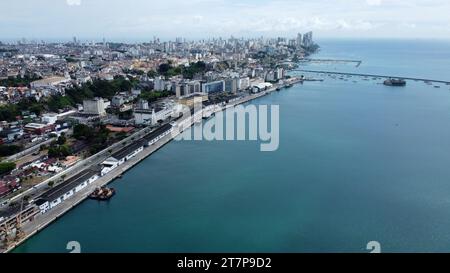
{"points": [[141, 20]]}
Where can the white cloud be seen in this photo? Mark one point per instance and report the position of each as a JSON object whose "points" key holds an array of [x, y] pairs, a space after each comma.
{"points": [[374, 2], [207, 18], [73, 2]]}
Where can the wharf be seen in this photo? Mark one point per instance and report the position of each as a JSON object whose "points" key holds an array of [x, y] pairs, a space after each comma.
{"points": [[357, 62], [371, 75]]}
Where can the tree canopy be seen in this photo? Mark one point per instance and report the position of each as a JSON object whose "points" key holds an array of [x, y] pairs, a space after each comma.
{"points": [[7, 150], [7, 167]]}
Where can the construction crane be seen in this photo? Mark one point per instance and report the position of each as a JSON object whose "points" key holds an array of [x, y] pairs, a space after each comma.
{"points": [[19, 232]]}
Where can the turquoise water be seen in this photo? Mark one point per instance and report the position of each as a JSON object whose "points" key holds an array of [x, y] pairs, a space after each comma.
{"points": [[357, 162]]}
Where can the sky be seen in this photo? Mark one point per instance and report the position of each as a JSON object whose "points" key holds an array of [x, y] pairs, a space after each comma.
{"points": [[193, 19]]}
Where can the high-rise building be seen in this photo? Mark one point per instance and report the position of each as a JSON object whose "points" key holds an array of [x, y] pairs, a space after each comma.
{"points": [[194, 87], [231, 85], [299, 40], [308, 39], [159, 84], [243, 83], [279, 73], [214, 87]]}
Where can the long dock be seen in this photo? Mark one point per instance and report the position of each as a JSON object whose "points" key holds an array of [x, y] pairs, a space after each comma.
{"points": [[43, 220], [357, 62], [371, 75]]}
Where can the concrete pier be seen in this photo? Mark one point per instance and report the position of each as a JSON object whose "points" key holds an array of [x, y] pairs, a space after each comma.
{"points": [[371, 75], [357, 62]]}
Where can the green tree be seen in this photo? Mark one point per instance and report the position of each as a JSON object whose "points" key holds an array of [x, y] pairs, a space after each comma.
{"points": [[61, 140], [7, 150], [82, 132], [152, 73], [7, 167]]}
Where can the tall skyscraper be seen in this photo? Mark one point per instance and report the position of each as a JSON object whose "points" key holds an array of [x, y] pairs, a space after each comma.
{"points": [[299, 40], [308, 39]]}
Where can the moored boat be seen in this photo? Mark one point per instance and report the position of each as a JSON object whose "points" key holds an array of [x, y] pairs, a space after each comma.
{"points": [[395, 82], [102, 194]]}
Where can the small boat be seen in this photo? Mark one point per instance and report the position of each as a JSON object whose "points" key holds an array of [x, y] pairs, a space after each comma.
{"points": [[278, 89], [395, 82], [102, 194]]}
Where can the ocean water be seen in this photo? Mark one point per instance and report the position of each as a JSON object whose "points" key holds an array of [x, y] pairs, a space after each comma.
{"points": [[357, 162]]}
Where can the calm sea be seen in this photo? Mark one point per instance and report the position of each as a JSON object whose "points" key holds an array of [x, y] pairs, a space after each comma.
{"points": [[358, 162]]}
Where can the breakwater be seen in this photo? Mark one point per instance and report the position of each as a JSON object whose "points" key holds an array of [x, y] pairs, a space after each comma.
{"points": [[370, 75]]}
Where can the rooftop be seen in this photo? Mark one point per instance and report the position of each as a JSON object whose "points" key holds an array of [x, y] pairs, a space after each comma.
{"points": [[157, 132], [68, 185], [128, 150]]}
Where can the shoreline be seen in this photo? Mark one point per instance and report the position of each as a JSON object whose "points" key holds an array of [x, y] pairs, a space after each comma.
{"points": [[41, 221]]}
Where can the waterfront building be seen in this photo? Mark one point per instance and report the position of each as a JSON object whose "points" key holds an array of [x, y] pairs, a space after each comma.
{"points": [[243, 83], [231, 85], [158, 134], [270, 76], [152, 116], [184, 88], [214, 87], [120, 157], [261, 87], [194, 87], [279, 73], [67, 189]]}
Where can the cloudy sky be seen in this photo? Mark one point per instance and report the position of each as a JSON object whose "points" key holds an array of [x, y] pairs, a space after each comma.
{"points": [[143, 19]]}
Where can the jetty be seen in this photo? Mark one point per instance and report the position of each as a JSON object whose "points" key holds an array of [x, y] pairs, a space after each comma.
{"points": [[371, 75], [357, 62]]}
